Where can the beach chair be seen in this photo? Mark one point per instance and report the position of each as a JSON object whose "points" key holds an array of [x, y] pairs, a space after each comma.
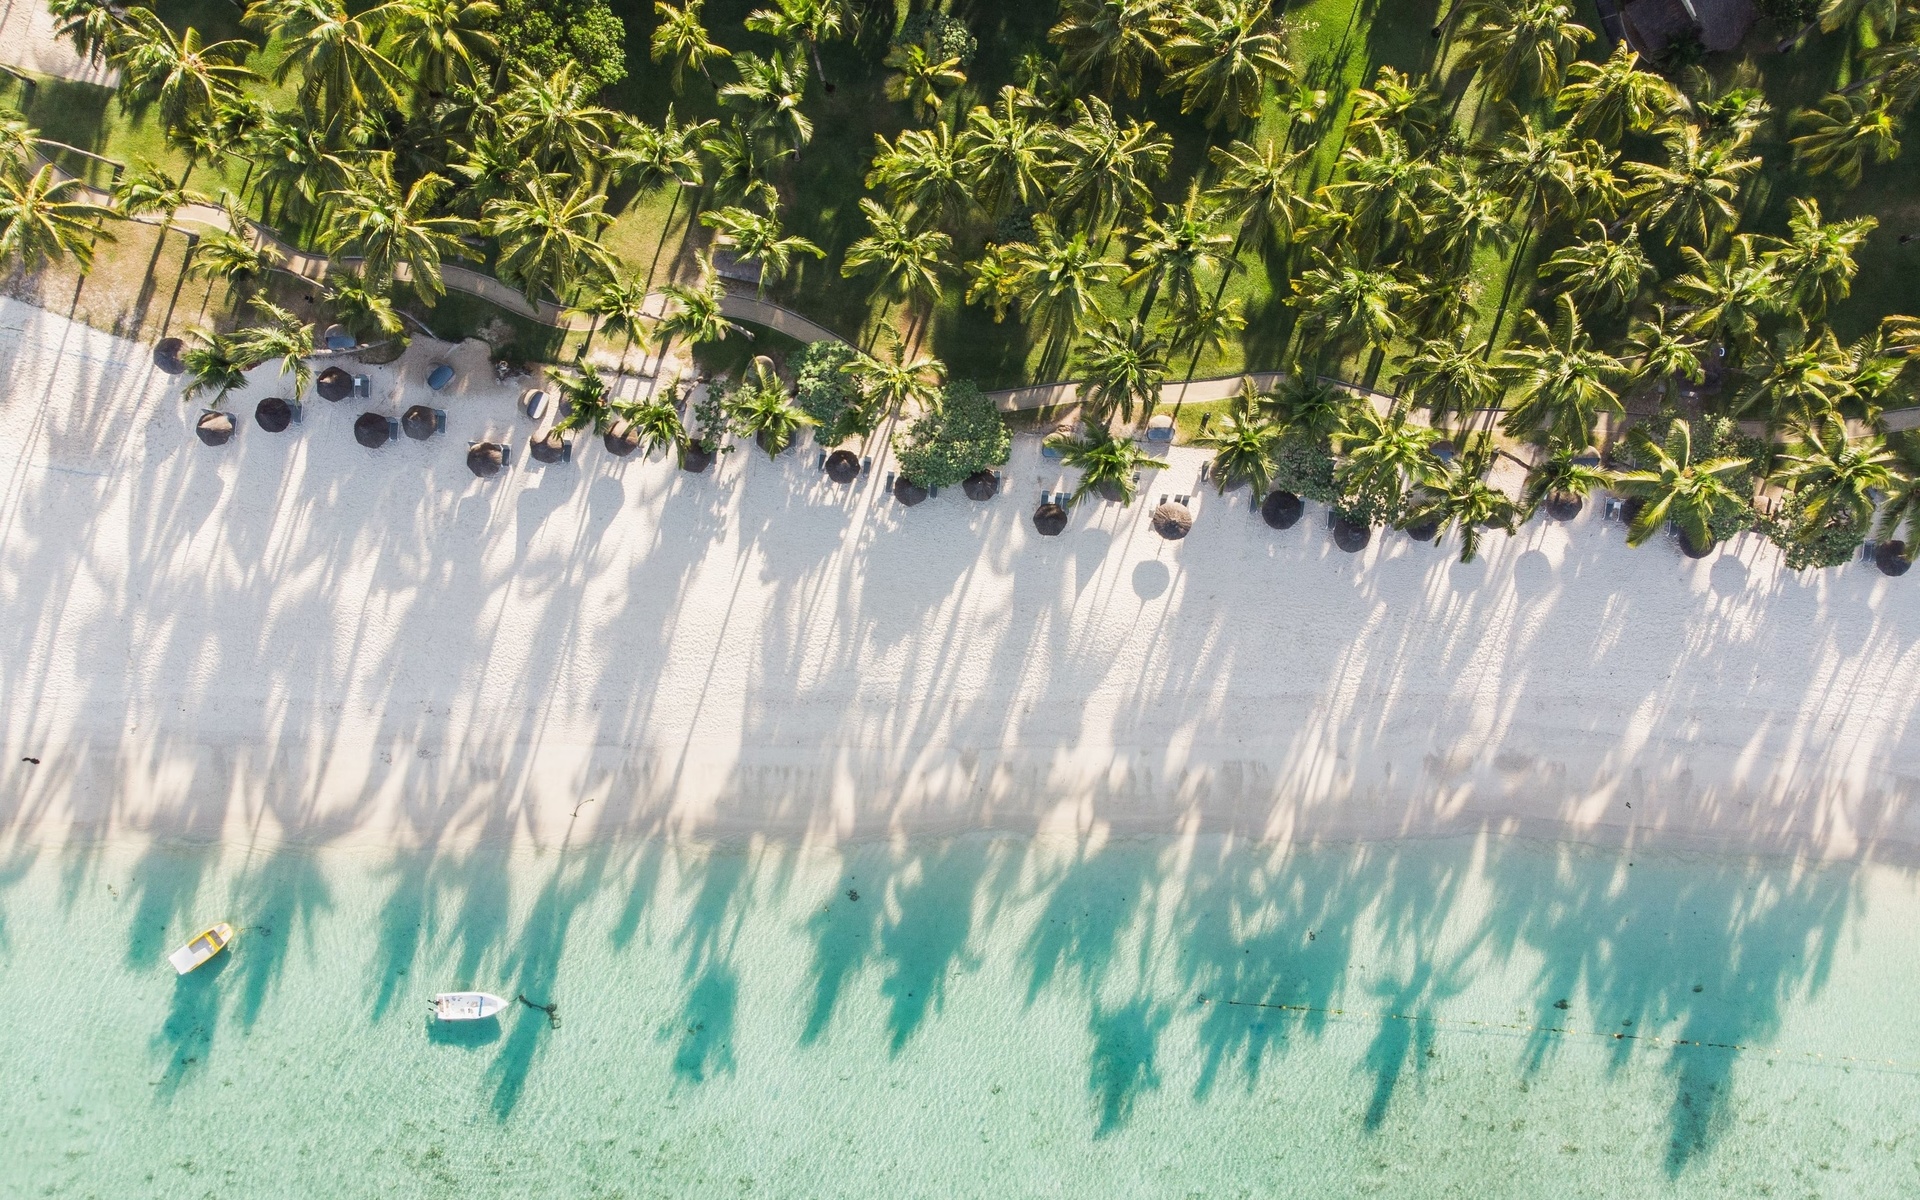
{"points": [[1610, 511], [822, 464], [866, 464], [393, 429], [362, 387], [533, 402]]}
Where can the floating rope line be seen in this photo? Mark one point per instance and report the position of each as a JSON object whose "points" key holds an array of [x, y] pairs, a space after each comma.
{"points": [[1649, 1039], [552, 1010]]}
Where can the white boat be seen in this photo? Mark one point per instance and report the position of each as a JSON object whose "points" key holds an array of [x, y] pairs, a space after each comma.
{"points": [[466, 1006], [205, 944]]}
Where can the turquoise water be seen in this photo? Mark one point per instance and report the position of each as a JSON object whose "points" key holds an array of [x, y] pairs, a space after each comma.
{"points": [[989, 1017]]}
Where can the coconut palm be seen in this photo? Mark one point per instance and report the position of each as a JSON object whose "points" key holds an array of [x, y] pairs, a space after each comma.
{"points": [[1464, 216], [758, 238], [1607, 99], [894, 384], [617, 303], [1449, 376], [654, 156], [1243, 443], [802, 22], [1605, 272], [1725, 297], [1902, 505], [1396, 105], [395, 230], [1565, 470], [1803, 379], [1385, 192], [1172, 250], [281, 337], [680, 38], [1107, 464], [19, 142], [1662, 351], [908, 261], [234, 253], [1693, 198], [342, 72], [657, 424], [1559, 379], [1223, 55], [926, 169], [1459, 497], [146, 190], [1383, 455], [587, 405], [1255, 193], [1520, 45], [215, 362], [1834, 475], [361, 307], [1842, 135], [184, 77], [740, 165], [1106, 168], [295, 162], [1692, 495], [764, 410], [693, 312], [1815, 264], [995, 279], [96, 28], [770, 90], [1341, 304], [1112, 41], [919, 78], [547, 240], [446, 43], [552, 121], [1310, 407], [1056, 276], [1121, 364], [1540, 170], [1008, 155]]}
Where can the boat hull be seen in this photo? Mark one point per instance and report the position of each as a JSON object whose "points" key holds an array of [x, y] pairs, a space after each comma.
{"points": [[201, 948], [466, 1006]]}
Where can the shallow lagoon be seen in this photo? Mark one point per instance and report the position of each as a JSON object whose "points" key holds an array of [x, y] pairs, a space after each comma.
{"points": [[990, 1016]]}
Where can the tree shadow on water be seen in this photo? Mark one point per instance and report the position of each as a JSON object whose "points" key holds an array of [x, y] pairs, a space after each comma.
{"points": [[929, 941], [185, 1040], [1121, 1066], [536, 971]]}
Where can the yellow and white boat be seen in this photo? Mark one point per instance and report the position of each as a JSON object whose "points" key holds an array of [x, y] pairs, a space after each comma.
{"points": [[205, 944]]}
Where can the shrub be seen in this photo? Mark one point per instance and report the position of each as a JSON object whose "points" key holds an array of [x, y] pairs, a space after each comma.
{"points": [[1830, 542], [962, 434], [545, 34], [1303, 465], [944, 36], [825, 392]]}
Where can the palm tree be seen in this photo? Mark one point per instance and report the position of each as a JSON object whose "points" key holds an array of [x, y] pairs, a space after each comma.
{"points": [[445, 42], [361, 307], [1172, 250], [1565, 471], [1384, 455], [1056, 276], [1815, 264], [1107, 464], [395, 230], [804, 22], [1835, 476], [1448, 377], [1805, 377], [552, 122], [1121, 364], [1726, 297], [19, 142], [770, 90], [1692, 495], [1461, 497], [681, 38], [654, 156], [548, 240], [147, 190], [1340, 303], [1609, 98], [1663, 351], [919, 78], [39, 224], [693, 312], [1560, 380], [187, 79], [1395, 105], [1310, 407], [1606, 272], [1902, 505], [909, 262], [1106, 168], [97, 28], [1385, 192], [295, 161], [740, 165], [215, 362], [587, 406], [617, 303], [1843, 134], [342, 73], [1113, 41], [764, 410], [895, 383], [1243, 444], [1223, 55], [284, 337], [230, 254], [1693, 198], [1203, 324], [1007, 155], [1540, 169], [926, 169], [760, 238], [1256, 193], [657, 424], [995, 279], [1520, 45]]}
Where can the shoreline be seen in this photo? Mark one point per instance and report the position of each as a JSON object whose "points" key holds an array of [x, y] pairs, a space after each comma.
{"points": [[293, 639]]}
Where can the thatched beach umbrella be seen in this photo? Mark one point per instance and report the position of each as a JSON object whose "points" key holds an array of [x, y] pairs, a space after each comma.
{"points": [[1564, 506], [1424, 531], [621, 439], [843, 466], [1891, 558], [372, 430], [1351, 536], [1050, 519], [907, 492], [695, 458], [1172, 520], [166, 355], [486, 458], [1282, 510], [334, 384], [214, 428], [981, 485], [420, 422], [273, 414], [1692, 551], [549, 449]]}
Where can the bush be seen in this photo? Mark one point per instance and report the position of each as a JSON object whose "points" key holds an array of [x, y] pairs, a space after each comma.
{"points": [[1789, 15], [1831, 542], [828, 394], [963, 434], [944, 36], [545, 34], [1304, 466]]}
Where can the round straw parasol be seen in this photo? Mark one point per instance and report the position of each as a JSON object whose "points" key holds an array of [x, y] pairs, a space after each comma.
{"points": [[371, 430], [621, 439], [981, 485], [907, 492], [1692, 551], [273, 414], [1050, 519], [486, 458], [549, 449], [1351, 536], [1172, 520], [843, 466], [695, 458], [1424, 531], [334, 384], [1282, 509], [1564, 506], [214, 428], [1891, 558], [419, 422], [166, 355]]}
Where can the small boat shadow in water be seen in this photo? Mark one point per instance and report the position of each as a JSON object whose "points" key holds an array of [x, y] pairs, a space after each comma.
{"points": [[463, 1033]]}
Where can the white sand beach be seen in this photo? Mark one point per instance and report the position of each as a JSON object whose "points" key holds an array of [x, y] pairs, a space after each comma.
{"points": [[293, 637]]}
